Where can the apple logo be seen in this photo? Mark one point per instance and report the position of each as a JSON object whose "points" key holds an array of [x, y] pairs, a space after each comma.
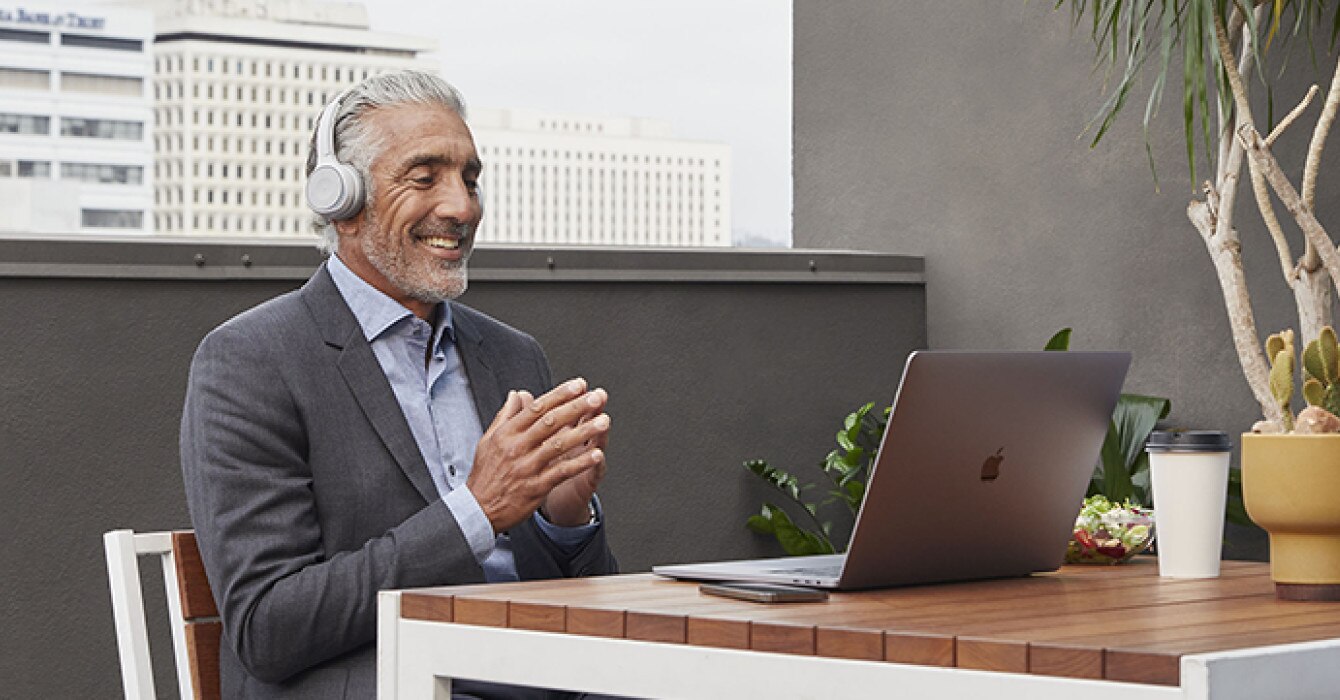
{"points": [[991, 467]]}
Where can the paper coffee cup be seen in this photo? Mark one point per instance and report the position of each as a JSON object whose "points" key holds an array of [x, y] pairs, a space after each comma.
{"points": [[1188, 473]]}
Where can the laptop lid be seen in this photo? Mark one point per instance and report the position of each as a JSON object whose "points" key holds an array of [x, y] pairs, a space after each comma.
{"points": [[981, 471]]}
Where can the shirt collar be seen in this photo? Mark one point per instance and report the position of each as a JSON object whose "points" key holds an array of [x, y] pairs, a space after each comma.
{"points": [[375, 311]]}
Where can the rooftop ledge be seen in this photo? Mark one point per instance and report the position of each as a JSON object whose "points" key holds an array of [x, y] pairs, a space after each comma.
{"points": [[187, 258]]}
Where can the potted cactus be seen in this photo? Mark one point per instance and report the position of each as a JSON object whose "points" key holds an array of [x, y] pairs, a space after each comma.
{"points": [[1291, 470]]}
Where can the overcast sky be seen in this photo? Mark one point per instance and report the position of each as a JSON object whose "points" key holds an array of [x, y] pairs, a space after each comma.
{"points": [[717, 71]]}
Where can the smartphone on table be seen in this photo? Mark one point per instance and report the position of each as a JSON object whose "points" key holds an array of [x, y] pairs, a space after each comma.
{"points": [[764, 592]]}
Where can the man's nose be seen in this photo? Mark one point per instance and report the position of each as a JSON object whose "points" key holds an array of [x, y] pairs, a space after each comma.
{"points": [[456, 203]]}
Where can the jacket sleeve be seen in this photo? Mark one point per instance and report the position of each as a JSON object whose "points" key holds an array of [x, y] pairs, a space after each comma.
{"points": [[285, 604]]}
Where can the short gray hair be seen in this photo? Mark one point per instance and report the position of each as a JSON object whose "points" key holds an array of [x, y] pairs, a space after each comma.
{"points": [[358, 145]]}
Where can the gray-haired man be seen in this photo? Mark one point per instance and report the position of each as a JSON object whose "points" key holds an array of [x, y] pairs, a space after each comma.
{"points": [[365, 432]]}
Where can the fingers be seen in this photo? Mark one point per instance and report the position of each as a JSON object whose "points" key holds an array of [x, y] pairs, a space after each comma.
{"points": [[564, 404], [566, 438], [568, 405], [559, 395], [510, 408], [563, 469]]}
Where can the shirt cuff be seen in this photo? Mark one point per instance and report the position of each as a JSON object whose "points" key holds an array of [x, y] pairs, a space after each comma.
{"points": [[570, 539], [472, 521]]}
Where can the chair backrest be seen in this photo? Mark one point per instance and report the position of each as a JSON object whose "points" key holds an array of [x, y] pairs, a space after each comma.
{"points": [[192, 614]]}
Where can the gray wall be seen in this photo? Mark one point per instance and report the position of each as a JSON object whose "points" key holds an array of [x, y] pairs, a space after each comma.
{"points": [[950, 130], [711, 358]]}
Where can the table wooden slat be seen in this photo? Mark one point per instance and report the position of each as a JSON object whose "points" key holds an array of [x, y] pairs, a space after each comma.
{"points": [[707, 632], [655, 627], [537, 616], [919, 648], [782, 638], [1054, 659], [991, 654], [474, 610], [840, 643]]}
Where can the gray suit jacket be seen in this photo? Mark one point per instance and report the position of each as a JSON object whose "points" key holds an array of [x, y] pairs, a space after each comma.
{"points": [[308, 493]]}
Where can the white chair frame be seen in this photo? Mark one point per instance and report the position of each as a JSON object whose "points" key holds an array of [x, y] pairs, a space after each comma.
{"points": [[124, 547]]}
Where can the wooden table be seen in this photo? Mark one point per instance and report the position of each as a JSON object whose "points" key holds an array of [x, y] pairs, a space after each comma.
{"points": [[1091, 632]]}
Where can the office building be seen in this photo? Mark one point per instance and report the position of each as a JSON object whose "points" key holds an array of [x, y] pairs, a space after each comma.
{"points": [[76, 119], [238, 86], [553, 179]]}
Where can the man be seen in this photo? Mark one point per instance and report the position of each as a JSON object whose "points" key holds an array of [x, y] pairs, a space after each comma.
{"points": [[365, 432]]}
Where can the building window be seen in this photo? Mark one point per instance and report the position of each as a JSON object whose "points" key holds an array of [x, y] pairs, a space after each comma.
{"points": [[24, 79], [102, 42], [103, 173], [101, 84], [101, 128], [25, 37], [112, 218], [24, 124], [34, 168]]}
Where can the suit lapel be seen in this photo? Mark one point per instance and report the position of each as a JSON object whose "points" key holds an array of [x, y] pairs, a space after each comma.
{"points": [[484, 382], [361, 371]]}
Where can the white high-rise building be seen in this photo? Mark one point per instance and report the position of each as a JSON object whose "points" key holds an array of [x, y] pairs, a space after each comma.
{"points": [[238, 87], [76, 119], [562, 179]]}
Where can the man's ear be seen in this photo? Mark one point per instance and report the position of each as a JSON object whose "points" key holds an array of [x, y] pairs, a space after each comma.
{"points": [[350, 227]]}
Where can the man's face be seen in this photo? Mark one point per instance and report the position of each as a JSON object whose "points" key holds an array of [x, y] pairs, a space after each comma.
{"points": [[412, 244]]}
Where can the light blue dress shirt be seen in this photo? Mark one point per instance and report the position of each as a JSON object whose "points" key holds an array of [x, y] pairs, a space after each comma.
{"points": [[436, 400]]}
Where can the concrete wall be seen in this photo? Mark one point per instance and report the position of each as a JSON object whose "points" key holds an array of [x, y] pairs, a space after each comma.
{"points": [[952, 131], [710, 359]]}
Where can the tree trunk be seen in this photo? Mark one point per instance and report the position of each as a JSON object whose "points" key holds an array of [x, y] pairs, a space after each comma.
{"points": [[1312, 294], [1226, 254]]}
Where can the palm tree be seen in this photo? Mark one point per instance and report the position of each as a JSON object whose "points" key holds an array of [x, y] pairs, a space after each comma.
{"points": [[1223, 46]]}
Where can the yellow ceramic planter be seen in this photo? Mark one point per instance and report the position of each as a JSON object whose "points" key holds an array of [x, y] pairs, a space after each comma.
{"points": [[1291, 488]]}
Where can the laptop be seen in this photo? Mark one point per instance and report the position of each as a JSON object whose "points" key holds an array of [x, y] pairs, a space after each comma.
{"points": [[980, 474]]}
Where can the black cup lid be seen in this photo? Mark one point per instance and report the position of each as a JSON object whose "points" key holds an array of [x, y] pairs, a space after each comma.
{"points": [[1188, 441]]}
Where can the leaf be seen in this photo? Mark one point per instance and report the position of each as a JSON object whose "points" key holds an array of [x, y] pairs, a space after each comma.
{"points": [[855, 492], [1275, 23], [845, 442], [760, 523], [1274, 344], [1133, 420], [1060, 341], [781, 480], [1330, 359], [1312, 360], [1281, 378], [796, 540], [1140, 481], [1116, 483], [1313, 392]]}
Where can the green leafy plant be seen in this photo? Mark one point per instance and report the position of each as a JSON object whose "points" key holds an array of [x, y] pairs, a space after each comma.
{"points": [[847, 469]]}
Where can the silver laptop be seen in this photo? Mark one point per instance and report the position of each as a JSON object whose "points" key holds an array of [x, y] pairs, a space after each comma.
{"points": [[981, 472]]}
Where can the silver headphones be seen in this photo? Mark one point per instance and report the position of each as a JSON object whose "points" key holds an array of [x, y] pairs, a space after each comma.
{"points": [[334, 189]]}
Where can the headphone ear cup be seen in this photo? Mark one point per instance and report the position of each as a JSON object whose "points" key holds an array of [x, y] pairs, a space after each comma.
{"points": [[335, 191]]}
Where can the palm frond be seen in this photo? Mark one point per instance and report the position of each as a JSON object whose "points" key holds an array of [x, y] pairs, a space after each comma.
{"points": [[1127, 34]]}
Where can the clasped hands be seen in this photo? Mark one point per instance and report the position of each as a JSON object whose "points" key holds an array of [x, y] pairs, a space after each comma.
{"points": [[546, 452]]}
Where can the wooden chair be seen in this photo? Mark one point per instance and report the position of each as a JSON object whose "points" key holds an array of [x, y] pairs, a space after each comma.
{"points": [[194, 618]]}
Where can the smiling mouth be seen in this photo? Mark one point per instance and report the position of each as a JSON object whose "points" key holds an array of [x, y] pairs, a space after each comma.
{"points": [[442, 242]]}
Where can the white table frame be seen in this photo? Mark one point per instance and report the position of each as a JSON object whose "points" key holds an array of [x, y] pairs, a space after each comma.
{"points": [[416, 660]]}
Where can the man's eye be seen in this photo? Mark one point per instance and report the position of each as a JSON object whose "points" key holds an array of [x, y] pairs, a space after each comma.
{"points": [[472, 185], [425, 181]]}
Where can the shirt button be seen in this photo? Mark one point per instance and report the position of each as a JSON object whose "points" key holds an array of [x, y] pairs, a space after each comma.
{"points": [[451, 469]]}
